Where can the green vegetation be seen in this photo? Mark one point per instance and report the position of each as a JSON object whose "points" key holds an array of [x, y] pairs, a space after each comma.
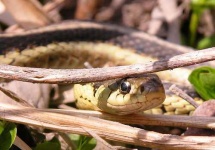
{"points": [[203, 80], [53, 144], [83, 142], [197, 7], [7, 134]]}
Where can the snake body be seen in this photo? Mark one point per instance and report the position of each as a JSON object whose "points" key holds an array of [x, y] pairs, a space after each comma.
{"points": [[70, 44]]}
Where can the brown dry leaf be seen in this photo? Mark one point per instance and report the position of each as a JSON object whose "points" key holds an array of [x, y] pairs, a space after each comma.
{"points": [[109, 12], [138, 13], [53, 7], [205, 109], [35, 16], [171, 13], [63, 94], [156, 22], [35, 94], [86, 9], [5, 17]]}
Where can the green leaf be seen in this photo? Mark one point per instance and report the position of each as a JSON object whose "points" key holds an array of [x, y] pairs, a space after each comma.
{"points": [[203, 3], [83, 142], [86, 143], [206, 42], [195, 17], [53, 144], [7, 134], [1, 127], [203, 80]]}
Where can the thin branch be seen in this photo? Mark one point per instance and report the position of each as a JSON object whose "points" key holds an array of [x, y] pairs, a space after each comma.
{"points": [[146, 119], [68, 140], [15, 97], [183, 95], [21, 144], [38, 75], [105, 129], [102, 142]]}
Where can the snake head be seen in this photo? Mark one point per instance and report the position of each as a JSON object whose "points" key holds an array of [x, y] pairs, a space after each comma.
{"points": [[131, 95]]}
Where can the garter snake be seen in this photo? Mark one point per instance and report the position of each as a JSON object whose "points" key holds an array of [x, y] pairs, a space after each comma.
{"points": [[70, 44]]}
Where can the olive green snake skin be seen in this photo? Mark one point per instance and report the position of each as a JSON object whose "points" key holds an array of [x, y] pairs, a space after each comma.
{"points": [[71, 44]]}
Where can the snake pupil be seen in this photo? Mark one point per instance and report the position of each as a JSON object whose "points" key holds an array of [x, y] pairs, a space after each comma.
{"points": [[125, 87]]}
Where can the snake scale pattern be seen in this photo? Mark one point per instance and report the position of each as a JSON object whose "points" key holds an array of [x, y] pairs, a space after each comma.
{"points": [[72, 43]]}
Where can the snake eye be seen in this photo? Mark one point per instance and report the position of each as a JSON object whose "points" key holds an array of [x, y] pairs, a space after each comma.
{"points": [[125, 87]]}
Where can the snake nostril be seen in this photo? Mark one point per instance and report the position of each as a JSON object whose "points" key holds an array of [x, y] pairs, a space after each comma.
{"points": [[154, 89], [150, 86], [142, 88]]}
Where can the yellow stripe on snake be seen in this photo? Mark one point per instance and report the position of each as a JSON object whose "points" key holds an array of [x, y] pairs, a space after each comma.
{"points": [[120, 96]]}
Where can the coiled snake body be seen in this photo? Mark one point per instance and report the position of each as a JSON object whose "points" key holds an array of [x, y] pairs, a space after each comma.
{"points": [[70, 44]]}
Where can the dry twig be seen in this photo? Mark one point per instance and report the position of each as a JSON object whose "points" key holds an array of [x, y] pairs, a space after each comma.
{"points": [[15, 97], [106, 129], [39, 75], [21, 144], [102, 142], [146, 119], [183, 95]]}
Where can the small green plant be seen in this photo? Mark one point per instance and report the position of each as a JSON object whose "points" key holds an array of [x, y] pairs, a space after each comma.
{"points": [[83, 142], [53, 144], [203, 80], [197, 7], [7, 134]]}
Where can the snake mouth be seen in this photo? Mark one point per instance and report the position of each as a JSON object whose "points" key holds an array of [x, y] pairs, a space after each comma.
{"points": [[135, 107], [124, 109], [148, 103]]}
